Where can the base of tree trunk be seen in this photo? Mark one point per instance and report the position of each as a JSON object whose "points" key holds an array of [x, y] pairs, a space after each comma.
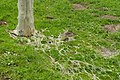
{"points": [[25, 27], [23, 33]]}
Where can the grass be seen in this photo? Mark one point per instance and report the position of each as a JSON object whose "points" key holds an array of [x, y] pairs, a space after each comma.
{"points": [[80, 59]]}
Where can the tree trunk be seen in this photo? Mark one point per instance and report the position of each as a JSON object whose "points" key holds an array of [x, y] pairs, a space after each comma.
{"points": [[25, 25]]}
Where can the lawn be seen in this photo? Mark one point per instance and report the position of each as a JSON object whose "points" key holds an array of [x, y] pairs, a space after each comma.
{"points": [[92, 52]]}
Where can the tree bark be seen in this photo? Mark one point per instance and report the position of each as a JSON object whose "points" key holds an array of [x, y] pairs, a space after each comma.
{"points": [[25, 25]]}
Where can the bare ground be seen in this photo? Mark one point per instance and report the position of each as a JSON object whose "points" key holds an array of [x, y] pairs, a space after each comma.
{"points": [[112, 28], [103, 9], [107, 52], [110, 17], [3, 23], [79, 7]]}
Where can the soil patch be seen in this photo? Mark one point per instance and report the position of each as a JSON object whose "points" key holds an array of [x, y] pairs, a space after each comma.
{"points": [[67, 36], [109, 17], [3, 23], [107, 52], [103, 9], [49, 17], [112, 28], [4, 77], [79, 7]]}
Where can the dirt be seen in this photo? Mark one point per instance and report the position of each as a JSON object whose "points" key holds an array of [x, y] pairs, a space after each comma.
{"points": [[3, 23], [103, 9], [107, 52], [67, 35], [112, 28], [110, 17], [49, 17], [4, 77], [79, 7]]}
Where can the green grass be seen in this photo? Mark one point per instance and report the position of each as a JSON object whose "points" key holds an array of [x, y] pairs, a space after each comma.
{"points": [[23, 62]]}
